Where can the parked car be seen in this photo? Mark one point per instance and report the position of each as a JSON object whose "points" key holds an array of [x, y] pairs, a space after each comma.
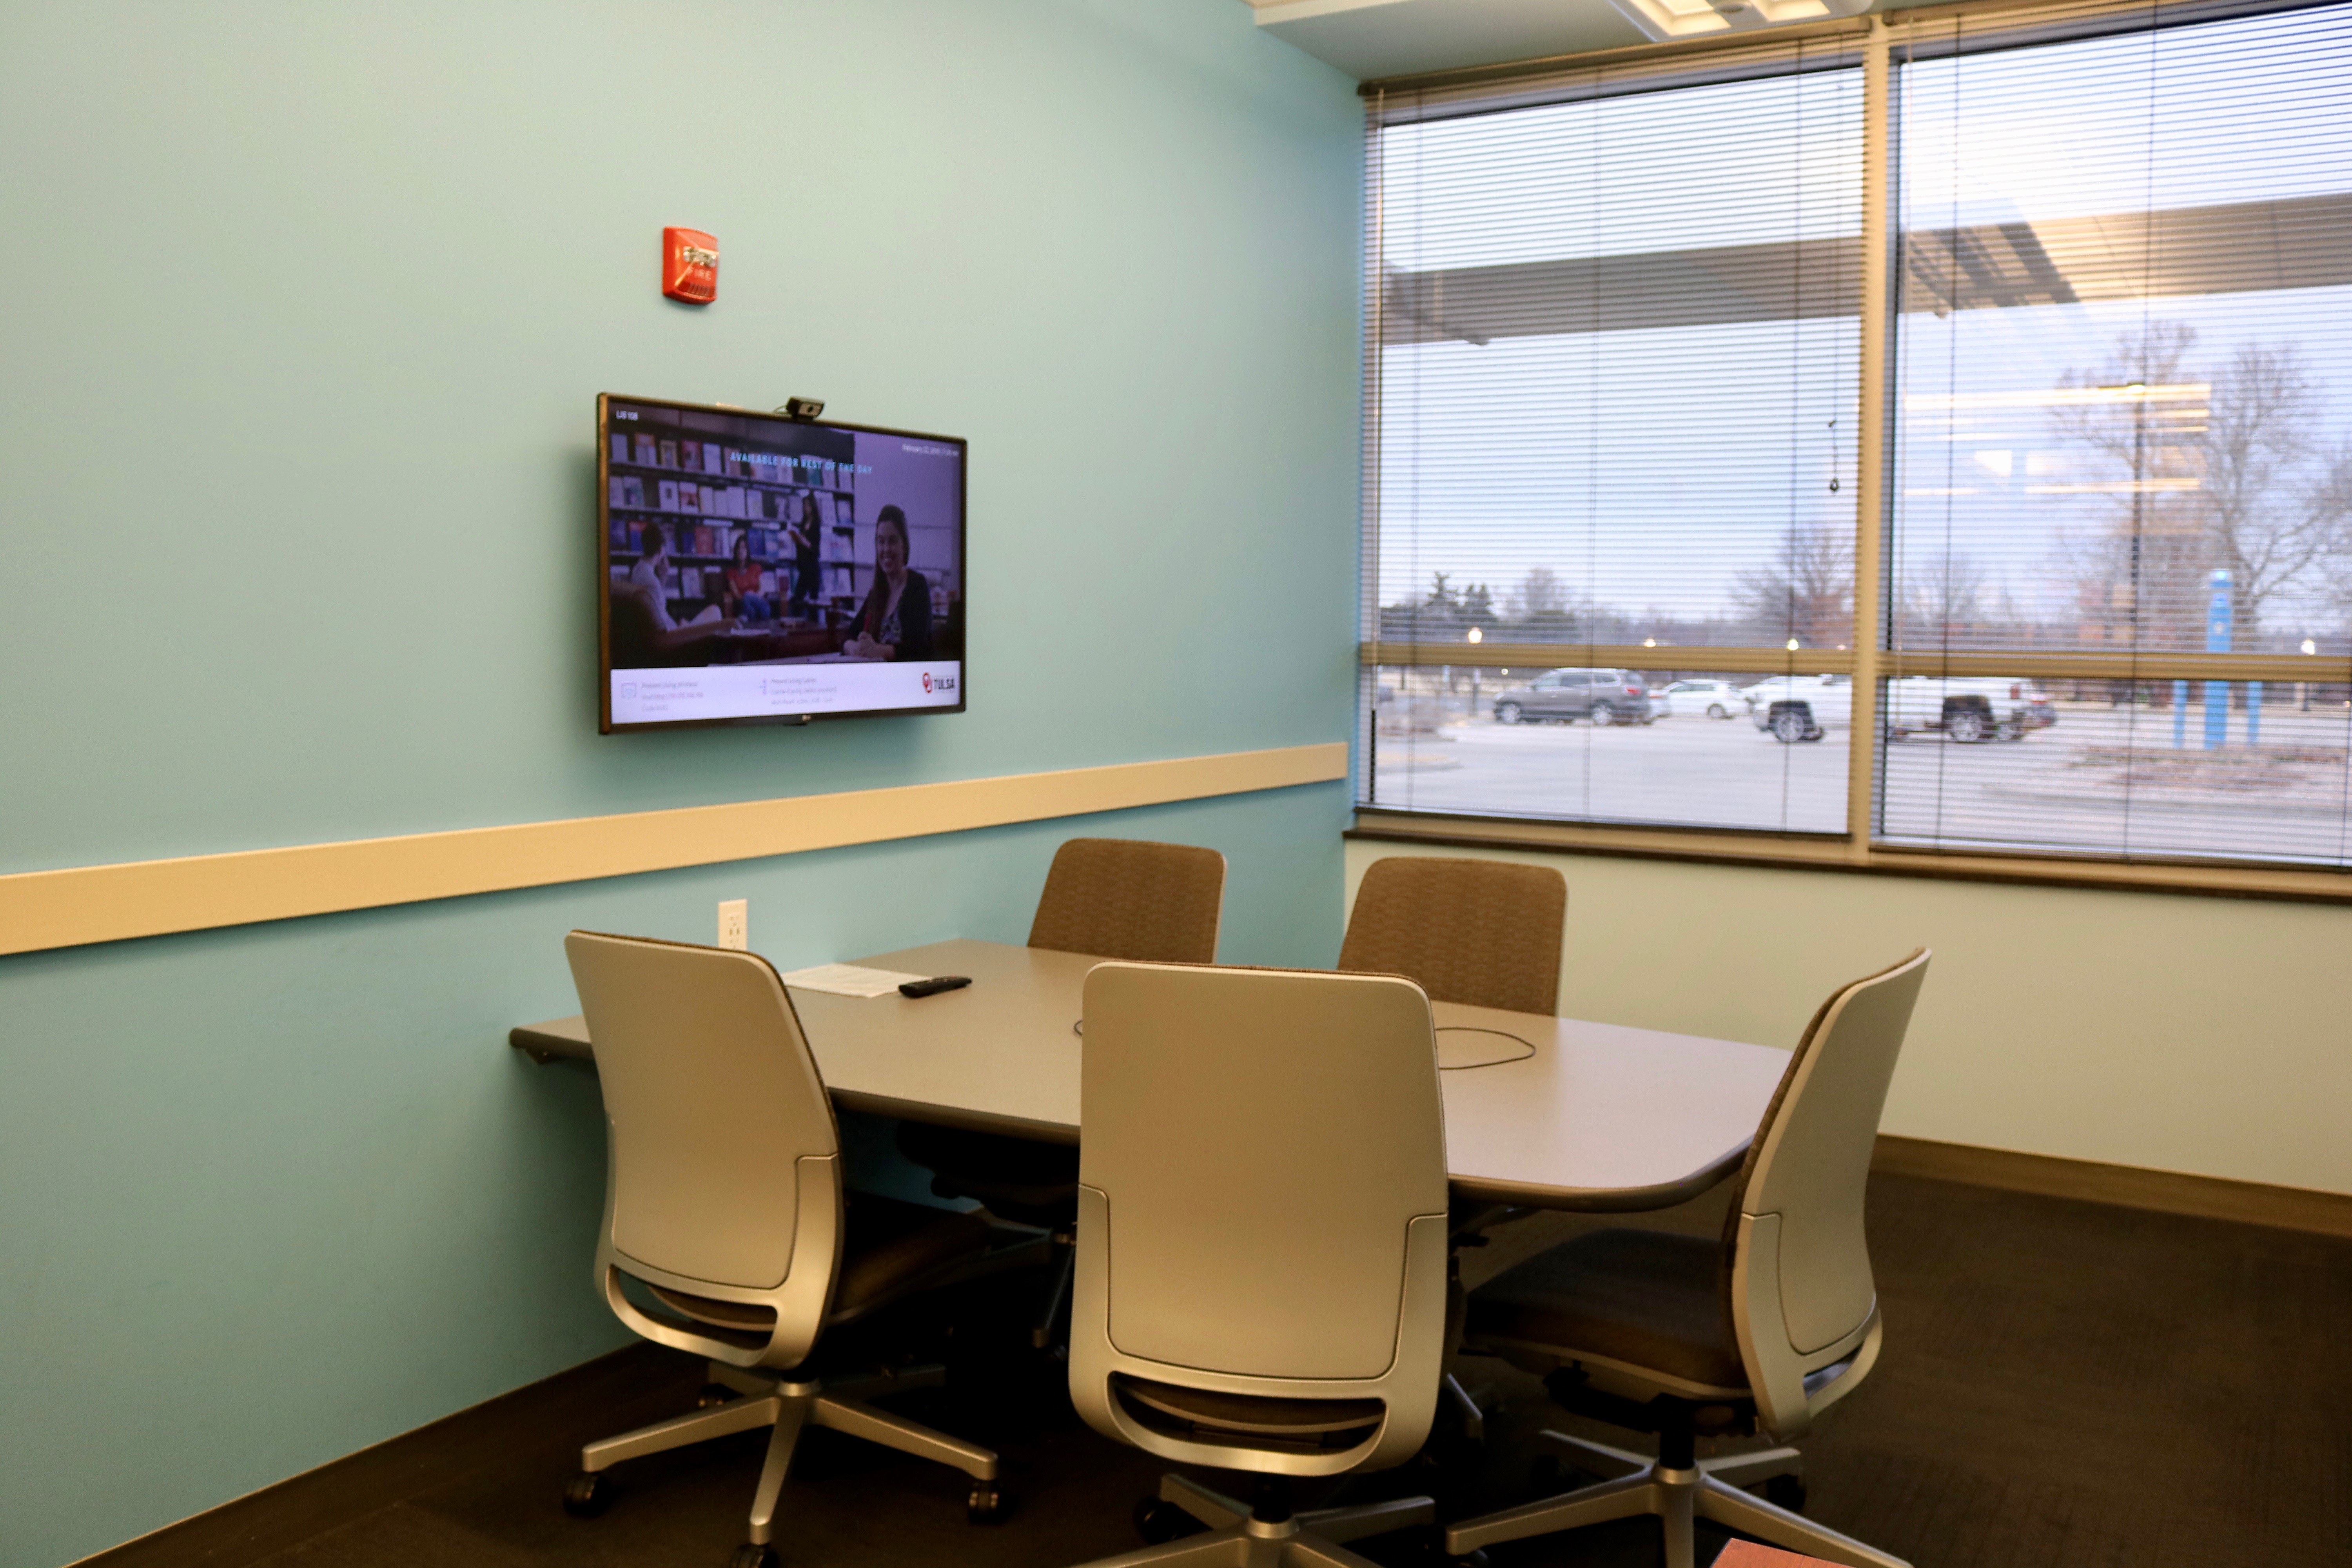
{"points": [[1792, 708], [1563, 696], [1716, 698], [1967, 710], [1804, 708]]}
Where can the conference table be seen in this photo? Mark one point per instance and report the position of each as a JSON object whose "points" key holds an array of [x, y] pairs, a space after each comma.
{"points": [[1542, 1112]]}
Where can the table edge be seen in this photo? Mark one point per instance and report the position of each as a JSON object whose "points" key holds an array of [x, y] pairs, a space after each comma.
{"points": [[1606, 1200], [566, 1039]]}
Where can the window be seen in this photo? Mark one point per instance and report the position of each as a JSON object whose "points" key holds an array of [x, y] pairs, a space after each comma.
{"points": [[1613, 382], [2125, 441], [2058, 520]]}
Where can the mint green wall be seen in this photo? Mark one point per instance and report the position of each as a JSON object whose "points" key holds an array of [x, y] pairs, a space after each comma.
{"points": [[302, 318], [307, 307]]}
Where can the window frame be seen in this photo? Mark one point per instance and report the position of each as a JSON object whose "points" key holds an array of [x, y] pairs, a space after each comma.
{"points": [[1867, 661]]}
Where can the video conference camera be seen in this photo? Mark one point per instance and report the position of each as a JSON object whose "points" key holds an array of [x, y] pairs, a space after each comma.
{"points": [[802, 407]]}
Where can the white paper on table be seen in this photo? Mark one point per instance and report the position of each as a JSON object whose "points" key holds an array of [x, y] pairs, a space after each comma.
{"points": [[848, 980]]}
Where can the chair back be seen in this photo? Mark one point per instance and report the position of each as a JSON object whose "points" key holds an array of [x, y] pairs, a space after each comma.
{"points": [[1801, 1293], [1262, 1198], [723, 1179], [1123, 897], [1485, 933]]}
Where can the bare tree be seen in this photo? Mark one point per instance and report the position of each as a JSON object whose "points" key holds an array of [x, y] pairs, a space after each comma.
{"points": [[1540, 592], [2215, 466], [2259, 448], [1539, 608], [2328, 497], [1805, 591], [1941, 598], [2139, 571]]}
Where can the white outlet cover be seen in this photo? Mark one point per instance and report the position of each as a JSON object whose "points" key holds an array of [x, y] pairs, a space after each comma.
{"points": [[735, 924]]}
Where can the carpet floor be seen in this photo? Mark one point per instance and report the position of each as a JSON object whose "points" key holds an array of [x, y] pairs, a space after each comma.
{"points": [[2063, 1384]]}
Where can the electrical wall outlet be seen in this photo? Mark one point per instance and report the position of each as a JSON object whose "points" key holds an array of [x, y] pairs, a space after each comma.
{"points": [[735, 924]]}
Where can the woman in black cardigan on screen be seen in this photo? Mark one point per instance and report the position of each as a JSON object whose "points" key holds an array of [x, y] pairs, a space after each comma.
{"points": [[896, 622]]}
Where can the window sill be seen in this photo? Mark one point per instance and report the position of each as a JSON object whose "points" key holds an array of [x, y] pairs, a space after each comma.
{"points": [[1807, 853]]}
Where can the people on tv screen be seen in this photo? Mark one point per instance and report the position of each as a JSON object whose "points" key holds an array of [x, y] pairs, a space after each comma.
{"points": [[896, 620]]}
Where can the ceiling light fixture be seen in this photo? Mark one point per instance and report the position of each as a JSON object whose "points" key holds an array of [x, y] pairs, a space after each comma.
{"points": [[1667, 20]]}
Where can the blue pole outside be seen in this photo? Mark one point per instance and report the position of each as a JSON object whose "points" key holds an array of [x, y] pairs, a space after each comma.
{"points": [[2220, 617], [2180, 714]]}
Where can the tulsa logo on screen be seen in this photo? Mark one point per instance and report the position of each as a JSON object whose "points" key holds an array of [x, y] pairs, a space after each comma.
{"points": [[937, 683]]}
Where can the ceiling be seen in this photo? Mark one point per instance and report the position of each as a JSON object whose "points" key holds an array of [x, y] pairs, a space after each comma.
{"points": [[1372, 39]]}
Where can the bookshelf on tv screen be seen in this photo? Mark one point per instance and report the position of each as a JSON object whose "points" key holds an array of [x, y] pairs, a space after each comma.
{"points": [[766, 569]]}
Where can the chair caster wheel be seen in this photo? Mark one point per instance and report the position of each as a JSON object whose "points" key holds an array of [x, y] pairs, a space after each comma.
{"points": [[587, 1494], [1786, 1491], [986, 1504], [1159, 1522], [752, 1554], [712, 1395]]}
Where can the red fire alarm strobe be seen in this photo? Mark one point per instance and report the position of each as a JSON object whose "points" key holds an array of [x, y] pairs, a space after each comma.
{"points": [[689, 265]]}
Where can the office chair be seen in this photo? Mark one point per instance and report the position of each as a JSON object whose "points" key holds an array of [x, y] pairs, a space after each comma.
{"points": [[1485, 933], [1113, 898], [1262, 1243], [723, 1233], [1760, 1332]]}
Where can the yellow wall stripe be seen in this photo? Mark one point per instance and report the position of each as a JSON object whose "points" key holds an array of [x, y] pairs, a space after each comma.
{"points": [[85, 904]]}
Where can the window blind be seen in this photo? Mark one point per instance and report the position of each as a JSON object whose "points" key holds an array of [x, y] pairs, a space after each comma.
{"points": [[1611, 416], [2120, 522]]}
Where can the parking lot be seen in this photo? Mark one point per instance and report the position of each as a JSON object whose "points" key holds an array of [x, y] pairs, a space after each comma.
{"points": [[2058, 788]]}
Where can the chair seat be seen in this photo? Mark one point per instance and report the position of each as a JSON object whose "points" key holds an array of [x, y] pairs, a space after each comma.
{"points": [[891, 1247], [1019, 1179], [1253, 1413], [1641, 1298]]}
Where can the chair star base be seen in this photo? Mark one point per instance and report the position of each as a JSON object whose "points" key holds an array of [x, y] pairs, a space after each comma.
{"points": [[1237, 1539], [791, 1406], [1706, 1489]]}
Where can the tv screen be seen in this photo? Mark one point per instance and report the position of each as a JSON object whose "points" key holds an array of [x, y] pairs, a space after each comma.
{"points": [[763, 570]]}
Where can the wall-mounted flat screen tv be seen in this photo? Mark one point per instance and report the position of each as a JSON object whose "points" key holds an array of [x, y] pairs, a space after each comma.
{"points": [[756, 569]]}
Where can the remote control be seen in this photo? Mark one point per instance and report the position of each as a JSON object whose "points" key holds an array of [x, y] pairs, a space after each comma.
{"points": [[934, 986]]}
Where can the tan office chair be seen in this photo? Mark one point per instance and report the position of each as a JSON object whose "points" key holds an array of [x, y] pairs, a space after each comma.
{"points": [[723, 1232], [1485, 933], [1759, 1332], [1124, 898], [1262, 1243], [1113, 898]]}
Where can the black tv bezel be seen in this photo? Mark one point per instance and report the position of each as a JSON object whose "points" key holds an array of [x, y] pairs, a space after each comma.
{"points": [[604, 725]]}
